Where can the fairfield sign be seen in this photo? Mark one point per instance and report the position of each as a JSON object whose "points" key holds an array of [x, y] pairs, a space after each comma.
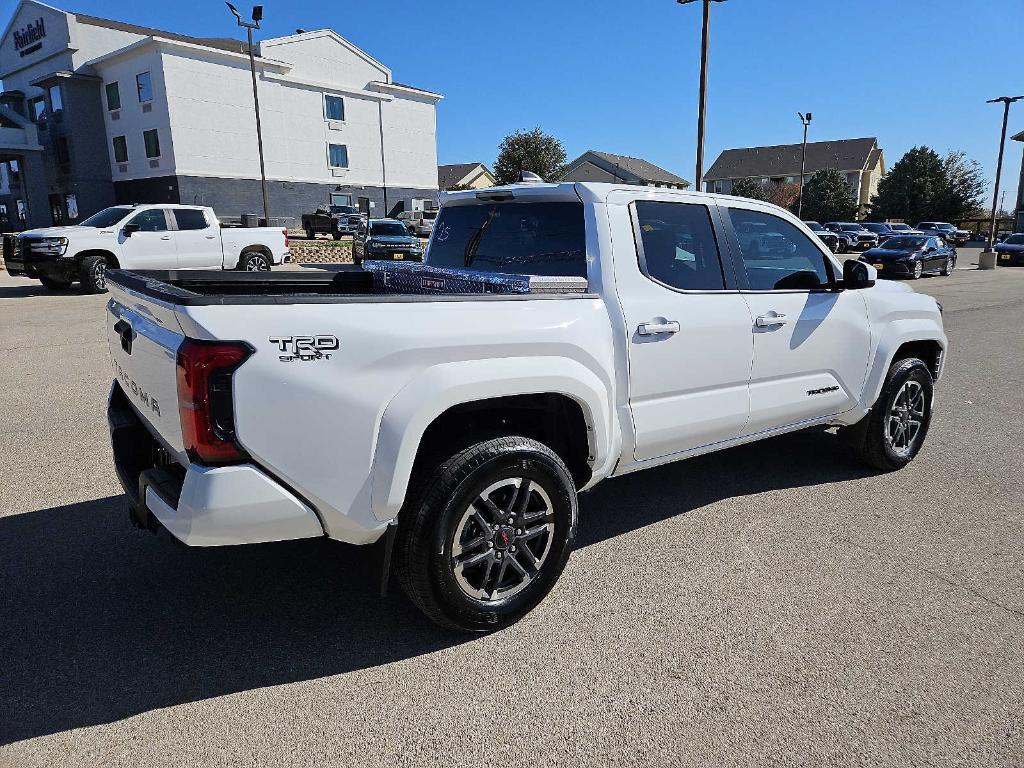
{"points": [[30, 38]]}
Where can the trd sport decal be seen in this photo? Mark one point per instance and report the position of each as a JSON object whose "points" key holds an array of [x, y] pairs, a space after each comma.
{"points": [[304, 348], [822, 391]]}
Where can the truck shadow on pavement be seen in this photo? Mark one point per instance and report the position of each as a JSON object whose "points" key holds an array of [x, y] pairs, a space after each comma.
{"points": [[102, 622], [33, 289]]}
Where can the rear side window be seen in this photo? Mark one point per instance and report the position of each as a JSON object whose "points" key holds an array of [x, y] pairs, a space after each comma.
{"points": [[775, 254], [151, 220], [190, 218], [542, 238], [678, 246]]}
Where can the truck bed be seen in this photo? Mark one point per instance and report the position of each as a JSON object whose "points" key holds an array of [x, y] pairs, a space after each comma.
{"points": [[348, 284]]}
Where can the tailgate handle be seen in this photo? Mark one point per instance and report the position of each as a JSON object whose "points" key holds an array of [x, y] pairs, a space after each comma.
{"points": [[124, 329]]}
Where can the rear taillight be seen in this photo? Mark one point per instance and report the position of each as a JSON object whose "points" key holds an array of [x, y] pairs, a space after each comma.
{"points": [[285, 231], [206, 400]]}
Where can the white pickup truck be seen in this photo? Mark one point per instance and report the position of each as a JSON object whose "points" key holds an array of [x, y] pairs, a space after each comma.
{"points": [[164, 237], [458, 428]]}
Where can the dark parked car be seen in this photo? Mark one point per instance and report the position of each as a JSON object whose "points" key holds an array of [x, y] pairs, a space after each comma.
{"points": [[385, 240], [903, 229], [883, 230], [944, 230], [334, 220], [912, 256], [1011, 251], [831, 239], [852, 236]]}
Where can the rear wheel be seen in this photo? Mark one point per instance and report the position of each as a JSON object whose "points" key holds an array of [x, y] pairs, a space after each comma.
{"points": [[53, 284], [337, 235], [487, 535], [947, 268], [310, 234], [891, 435], [254, 262], [93, 270]]}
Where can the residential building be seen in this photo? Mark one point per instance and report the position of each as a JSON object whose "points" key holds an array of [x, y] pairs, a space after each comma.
{"points": [[620, 169], [464, 176], [861, 161], [96, 111], [1019, 220]]}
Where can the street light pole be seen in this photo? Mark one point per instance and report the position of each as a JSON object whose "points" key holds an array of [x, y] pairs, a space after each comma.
{"points": [[702, 105], [257, 16], [806, 120], [987, 260]]}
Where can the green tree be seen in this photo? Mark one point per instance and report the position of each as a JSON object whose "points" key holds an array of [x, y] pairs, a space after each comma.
{"points": [[964, 188], [749, 188], [914, 190], [533, 151], [827, 197]]}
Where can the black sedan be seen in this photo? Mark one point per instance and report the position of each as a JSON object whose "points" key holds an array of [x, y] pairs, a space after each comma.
{"points": [[911, 256], [1011, 251]]}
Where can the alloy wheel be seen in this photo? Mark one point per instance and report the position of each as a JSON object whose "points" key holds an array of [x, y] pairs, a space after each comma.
{"points": [[256, 264], [905, 418], [99, 275], [918, 269], [503, 539]]}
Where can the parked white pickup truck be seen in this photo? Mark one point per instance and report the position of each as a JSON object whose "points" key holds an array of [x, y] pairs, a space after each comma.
{"points": [[459, 428], [141, 237]]}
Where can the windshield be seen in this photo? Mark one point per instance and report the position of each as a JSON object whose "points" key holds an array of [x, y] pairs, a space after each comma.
{"points": [[388, 229], [342, 209], [815, 226], [542, 238], [904, 243], [107, 217], [877, 227], [850, 227], [946, 227], [1015, 240], [900, 227]]}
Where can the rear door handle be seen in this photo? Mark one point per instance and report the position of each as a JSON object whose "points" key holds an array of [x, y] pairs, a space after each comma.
{"points": [[655, 328], [166, 237], [772, 319]]}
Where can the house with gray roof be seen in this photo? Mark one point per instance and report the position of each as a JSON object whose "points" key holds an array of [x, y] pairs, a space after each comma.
{"points": [[620, 169], [464, 176], [861, 161]]}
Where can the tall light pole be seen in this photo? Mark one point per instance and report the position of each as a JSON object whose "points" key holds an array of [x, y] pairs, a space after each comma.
{"points": [[257, 16], [987, 260], [806, 120], [702, 106]]}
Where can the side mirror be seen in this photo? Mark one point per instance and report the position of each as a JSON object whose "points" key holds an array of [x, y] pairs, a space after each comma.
{"points": [[857, 274], [129, 229]]}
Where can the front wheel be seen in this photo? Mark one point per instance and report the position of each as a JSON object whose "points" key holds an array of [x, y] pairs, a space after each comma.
{"points": [[917, 270], [891, 435], [93, 270], [254, 262], [310, 234], [487, 535], [947, 268]]}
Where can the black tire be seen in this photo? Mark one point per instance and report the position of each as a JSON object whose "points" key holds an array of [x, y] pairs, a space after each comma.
{"points": [[337, 235], [948, 267], [93, 274], [310, 234], [869, 437], [442, 512], [254, 261], [52, 284]]}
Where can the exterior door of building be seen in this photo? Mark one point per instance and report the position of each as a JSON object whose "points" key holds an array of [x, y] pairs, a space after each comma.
{"points": [[57, 209], [364, 205]]}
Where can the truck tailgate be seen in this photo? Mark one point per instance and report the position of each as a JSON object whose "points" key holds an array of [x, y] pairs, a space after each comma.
{"points": [[144, 338]]}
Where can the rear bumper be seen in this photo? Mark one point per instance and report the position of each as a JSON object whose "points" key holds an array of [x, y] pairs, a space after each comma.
{"points": [[201, 506]]}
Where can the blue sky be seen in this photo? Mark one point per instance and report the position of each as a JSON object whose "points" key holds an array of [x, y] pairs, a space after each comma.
{"points": [[621, 75]]}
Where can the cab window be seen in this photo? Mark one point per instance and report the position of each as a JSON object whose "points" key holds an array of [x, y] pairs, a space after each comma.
{"points": [[152, 220], [775, 255], [678, 247]]}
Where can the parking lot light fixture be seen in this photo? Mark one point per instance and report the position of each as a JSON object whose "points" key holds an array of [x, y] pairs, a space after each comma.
{"points": [[987, 260], [806, 120], [702, 106], [257, 17]]}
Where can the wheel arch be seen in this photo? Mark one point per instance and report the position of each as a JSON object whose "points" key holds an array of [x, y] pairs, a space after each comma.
{"points": [[255, 248], [112, 261], [911, 338], [550, 399]]}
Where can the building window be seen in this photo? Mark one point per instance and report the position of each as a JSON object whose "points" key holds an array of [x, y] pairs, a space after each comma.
{"points": [[56, 102], [334, 108], [337, 155], [37, 110], [113, 96], [120, 149], [152, 142], [340, 198], [144, 85], [63, 155]]}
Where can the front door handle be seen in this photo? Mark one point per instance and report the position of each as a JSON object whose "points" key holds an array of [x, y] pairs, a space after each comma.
{"points": [[166, 237], [771, 319], [654, 328]]}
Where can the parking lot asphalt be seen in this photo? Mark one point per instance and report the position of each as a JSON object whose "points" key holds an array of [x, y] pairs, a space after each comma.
{"points": [[771, 604]]}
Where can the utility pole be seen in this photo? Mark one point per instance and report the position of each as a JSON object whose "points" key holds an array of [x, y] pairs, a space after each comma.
{"points": [[702, 104], [257, 16], [806, 120], [987, 260]]}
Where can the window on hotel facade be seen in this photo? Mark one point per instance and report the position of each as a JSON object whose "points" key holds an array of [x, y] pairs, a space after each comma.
{"points": [[152, 142], [337, 155], [37, 110], [113, 96], [144, 85], [56, 102], [334, 108], [120, 149]]}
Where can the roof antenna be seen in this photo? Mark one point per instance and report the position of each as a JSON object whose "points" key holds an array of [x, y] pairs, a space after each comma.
{"points": [[529, 177]]}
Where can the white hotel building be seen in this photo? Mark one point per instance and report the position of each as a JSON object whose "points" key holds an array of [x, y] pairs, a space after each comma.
{"points": [[95, 112]]}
